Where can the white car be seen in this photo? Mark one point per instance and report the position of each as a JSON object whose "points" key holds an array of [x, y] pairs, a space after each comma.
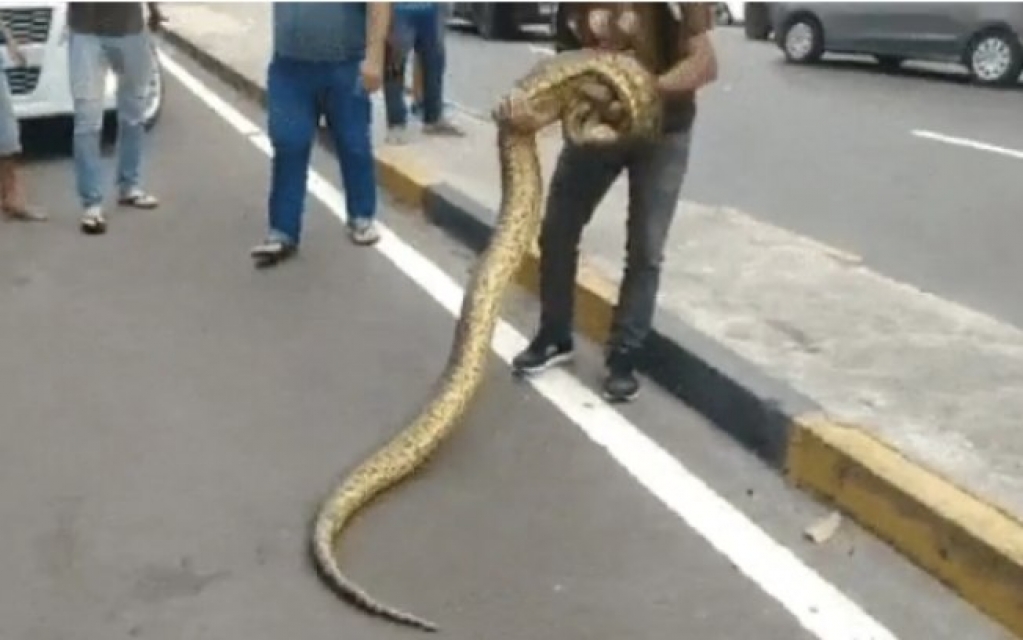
{"points": [[41, 88], [730, 12]]}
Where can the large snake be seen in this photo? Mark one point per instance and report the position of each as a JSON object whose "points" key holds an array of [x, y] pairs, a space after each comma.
{"points": [[600, 98]]}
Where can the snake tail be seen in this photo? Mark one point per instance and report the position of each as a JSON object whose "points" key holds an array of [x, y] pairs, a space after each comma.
{"points": [[517, 223]]}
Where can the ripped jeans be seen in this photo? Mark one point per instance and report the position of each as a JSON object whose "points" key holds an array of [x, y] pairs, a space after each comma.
{"points": [[581, 179]]}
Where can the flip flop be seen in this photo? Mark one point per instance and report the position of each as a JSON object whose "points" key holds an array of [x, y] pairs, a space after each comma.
{"points": [[24, 214]]}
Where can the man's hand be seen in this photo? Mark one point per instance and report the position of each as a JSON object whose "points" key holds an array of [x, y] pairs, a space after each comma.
{"points": [[372, 71], [156, 17]]}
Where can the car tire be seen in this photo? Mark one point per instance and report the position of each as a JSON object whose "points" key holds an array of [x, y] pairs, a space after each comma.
{"points": [[722, 14], [494, 21], [802, 39], [757, 21], [155, 96], [994, 58]]}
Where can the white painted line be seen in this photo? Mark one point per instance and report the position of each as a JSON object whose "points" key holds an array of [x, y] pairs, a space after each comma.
{"points": [[543, 51], [816, 604], [966, 142]]}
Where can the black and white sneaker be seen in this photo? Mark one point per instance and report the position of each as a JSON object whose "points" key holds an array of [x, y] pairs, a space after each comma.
{"points": [[271, 252], [621, 384], [544, 352]]}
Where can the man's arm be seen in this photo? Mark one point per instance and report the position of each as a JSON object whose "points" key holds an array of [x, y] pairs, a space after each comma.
{"points": [[378, 24], [156, 17], [12, 44], [699, 65]]}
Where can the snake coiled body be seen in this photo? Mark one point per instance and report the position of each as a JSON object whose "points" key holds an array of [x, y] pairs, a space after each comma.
{"points": [[556, 90]]}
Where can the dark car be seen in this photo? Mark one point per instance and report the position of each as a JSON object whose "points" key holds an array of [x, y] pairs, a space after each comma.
{"points": [[984, 37], [502, 20]]}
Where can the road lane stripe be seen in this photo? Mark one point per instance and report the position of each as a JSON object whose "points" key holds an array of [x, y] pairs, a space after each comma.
{"points": [[966, 142], [816, 604], [543, 51]]}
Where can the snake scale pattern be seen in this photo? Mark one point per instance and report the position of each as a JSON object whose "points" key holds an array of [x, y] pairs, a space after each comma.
{"points": [[558, 89]]}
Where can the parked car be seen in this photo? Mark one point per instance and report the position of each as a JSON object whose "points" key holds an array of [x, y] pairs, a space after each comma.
{"points": [[502, 20], [984, 37], [41, 89], [757, 20]]}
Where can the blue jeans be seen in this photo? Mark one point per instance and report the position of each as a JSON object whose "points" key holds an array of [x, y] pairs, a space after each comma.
{"points": [[423, 33], [298, 93], [89, 58]]}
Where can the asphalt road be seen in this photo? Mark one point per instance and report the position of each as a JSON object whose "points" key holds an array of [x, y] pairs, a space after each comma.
{"points": [[831, 152], [171, 417]]}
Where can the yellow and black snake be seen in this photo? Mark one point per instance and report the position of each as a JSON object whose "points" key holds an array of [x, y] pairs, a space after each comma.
{"points": [[600, 98]]}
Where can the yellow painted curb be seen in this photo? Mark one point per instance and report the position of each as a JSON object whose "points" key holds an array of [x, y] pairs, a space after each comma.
{"points": [[594, 296], [403, 176], [974, 548]]}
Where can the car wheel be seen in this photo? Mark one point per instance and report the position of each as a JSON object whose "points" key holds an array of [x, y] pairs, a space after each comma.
{"points": [[494, 22], [802, 39], [154, 96], [994, 58], [722, 14]]}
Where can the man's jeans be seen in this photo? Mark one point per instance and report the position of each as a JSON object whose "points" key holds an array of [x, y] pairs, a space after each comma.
{"points": [[581, 178], [89, 58], [421, 32], [298, 93]]}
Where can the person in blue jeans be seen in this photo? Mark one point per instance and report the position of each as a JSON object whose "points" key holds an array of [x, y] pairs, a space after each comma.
{"points": [[417, 27], [328, 58], [109, 35]]}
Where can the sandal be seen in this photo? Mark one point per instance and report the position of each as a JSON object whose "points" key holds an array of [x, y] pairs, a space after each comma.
{"points": [[24, 214], [138, 199]]}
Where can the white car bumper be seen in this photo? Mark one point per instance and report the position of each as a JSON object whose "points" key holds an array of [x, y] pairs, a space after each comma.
{"points": [[41, 89]]}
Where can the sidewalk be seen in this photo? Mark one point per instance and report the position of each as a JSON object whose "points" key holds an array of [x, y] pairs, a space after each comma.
{"points": [[897, 405]]}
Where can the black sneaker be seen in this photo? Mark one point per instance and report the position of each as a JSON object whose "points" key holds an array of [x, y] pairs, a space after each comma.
{"points": [[544, 352], [271, 252], [621, 384]]}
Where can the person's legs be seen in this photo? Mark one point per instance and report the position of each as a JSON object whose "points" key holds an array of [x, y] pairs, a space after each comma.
{"points": [[581, 179], [87, 68], [12, 195], [394, 80], [430, 29], [292, 114], [656, 174], [349, 111], [131, 58]]}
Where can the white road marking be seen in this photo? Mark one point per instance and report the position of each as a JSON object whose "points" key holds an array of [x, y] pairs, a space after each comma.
{"points": [[966, 142], [817, 605], [543, 51]]}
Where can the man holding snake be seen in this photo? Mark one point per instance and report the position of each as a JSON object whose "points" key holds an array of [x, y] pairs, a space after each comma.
{"points": [[672, 40]]}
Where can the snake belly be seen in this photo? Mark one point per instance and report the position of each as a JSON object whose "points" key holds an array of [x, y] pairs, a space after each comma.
{"points": [[552, 91]]}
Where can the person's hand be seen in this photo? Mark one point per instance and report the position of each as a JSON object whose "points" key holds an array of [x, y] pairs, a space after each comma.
{"points": [[513, 109], [156, 20], [16, 54], [372, 72]]}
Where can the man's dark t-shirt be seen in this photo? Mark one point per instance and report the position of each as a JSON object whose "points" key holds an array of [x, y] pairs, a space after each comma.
{"points": [[659, 41], [106, 18]]}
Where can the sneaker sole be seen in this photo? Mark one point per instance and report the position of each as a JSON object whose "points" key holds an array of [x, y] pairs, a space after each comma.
{"points": [[620, 399], [553, 362]]}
